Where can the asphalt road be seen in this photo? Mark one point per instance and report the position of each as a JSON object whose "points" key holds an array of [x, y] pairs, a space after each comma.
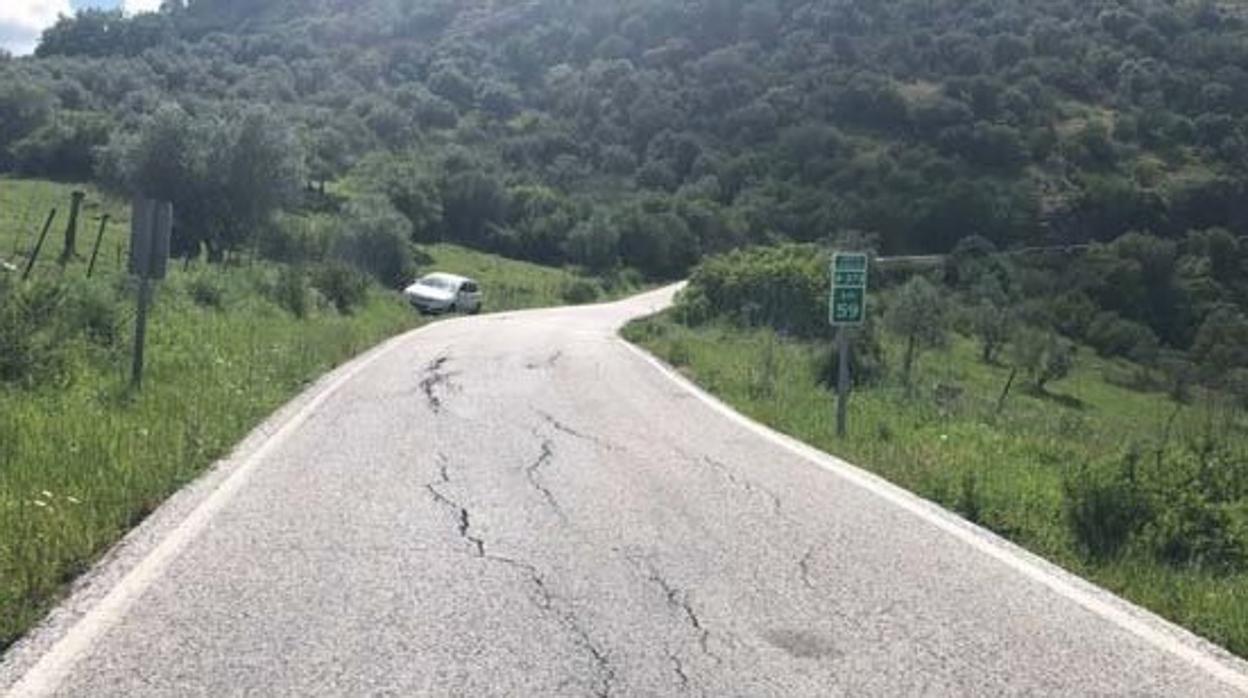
{"points": [[523, 505]]}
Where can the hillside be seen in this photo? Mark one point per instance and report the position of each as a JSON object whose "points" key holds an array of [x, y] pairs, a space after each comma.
{"points": [[651, 132]]}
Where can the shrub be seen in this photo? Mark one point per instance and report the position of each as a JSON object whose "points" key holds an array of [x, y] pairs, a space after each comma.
{"points": [[1112, 335], [866, 359], [375, 238], [1104, 506], [342, 284], [206, 292], [294, 239], [783, 287], [33, 345], [579, 291], [291, 291], [1190, 530], [94, 311]]}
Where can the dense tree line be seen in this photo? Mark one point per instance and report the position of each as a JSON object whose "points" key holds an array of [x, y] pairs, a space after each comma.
{"points": [[649, 133]]}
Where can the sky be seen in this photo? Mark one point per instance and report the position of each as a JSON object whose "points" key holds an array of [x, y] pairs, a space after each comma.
{"points": [[21, 21]]}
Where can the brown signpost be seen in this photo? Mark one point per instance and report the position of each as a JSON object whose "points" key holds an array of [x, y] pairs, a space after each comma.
{"points": [[151, 223]]}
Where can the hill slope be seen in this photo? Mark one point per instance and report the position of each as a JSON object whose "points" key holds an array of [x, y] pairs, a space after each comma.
{"points": [[668, 130]]}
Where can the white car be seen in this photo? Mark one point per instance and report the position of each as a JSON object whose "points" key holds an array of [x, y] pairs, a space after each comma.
{"points": [[444, 293]]}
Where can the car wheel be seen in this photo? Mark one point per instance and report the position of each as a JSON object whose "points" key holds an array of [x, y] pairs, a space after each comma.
{"points": [[475, 309]]}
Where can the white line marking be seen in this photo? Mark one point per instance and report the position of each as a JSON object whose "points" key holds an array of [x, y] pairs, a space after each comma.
{"points": [[47, 675], [1142, 623]]}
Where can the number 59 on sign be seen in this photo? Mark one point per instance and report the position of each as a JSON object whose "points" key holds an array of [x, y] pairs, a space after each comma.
{"points": [[847, 304]]}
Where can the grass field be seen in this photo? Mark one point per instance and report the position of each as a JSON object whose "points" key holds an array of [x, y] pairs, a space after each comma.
{"points": [[1006, 471], [82, 459]]}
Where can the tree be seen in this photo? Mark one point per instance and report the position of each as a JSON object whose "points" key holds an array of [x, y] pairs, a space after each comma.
{"points": [[917, 315], [1044, 356], [1221, 343], [472, 203], [993, 325], [410, 186], [225, 174]]}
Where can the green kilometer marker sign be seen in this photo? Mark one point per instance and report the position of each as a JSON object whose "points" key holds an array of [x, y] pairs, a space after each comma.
{"points": [[848, 303]]}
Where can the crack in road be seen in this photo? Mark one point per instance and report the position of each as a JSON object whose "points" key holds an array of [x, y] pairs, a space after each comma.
{"points": [[462, 518], [435, 378], [777, 509], [562, 427], [531, 473], [746, 484], [549, 362], [547, 600], [679, 668], [678, 600], [804, 565]]}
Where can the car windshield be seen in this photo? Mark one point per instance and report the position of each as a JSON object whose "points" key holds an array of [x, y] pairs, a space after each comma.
{"points": [[436, 282]]}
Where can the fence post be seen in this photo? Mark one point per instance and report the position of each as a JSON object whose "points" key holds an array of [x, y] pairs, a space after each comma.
{"points": [[95, 251], [34, 255]]}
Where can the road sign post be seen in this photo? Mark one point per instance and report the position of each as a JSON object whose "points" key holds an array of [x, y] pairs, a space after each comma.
{"points": [[847, 308], [151, 223]]}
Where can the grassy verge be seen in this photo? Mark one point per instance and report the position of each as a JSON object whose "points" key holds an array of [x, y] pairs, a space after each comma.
{"points": [[81, 459], [1009, 471]]}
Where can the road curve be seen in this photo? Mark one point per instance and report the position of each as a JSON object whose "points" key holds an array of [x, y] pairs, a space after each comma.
{"points": [[524, 505]]}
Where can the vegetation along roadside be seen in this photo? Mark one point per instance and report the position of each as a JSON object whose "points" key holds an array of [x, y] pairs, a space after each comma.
{"points": [[972, 390], [82, 459]]}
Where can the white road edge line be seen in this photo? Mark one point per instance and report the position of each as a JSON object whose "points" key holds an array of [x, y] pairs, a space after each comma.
{"points": [[47, 675], [1138, 621]]}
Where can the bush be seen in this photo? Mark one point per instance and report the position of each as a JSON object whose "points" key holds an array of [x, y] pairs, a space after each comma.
{"points": [[1112, 335], [579, 291], [375, 238], [867, 365], [291, 291], [782, 287], [1104, 506], [1192, 531], [294, 239], [94, 311], [206, 292], [342, 284], [33, 344]]}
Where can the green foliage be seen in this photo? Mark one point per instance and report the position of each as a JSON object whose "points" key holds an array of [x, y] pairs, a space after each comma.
{"points": [[1222, 343], [410, 188], [918, 314], [1105, 506], [1043, 355], [1112, 335], [342, 284], [226, 175], [579, 291], [292, 292], [64, 146], [32, 343], [925, 122], [782, 287], [206, 291], [376, 239]]}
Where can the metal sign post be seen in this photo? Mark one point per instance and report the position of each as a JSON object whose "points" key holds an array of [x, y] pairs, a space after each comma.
{"points": [[847, 308], [151, 223]]}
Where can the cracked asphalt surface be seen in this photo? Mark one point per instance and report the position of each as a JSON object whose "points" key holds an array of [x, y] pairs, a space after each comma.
{"points": [[519, 505]]}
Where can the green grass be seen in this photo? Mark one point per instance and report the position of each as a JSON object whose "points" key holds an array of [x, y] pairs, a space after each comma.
{"points": [[24, 206], [82, 460], [1004, 471]]}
